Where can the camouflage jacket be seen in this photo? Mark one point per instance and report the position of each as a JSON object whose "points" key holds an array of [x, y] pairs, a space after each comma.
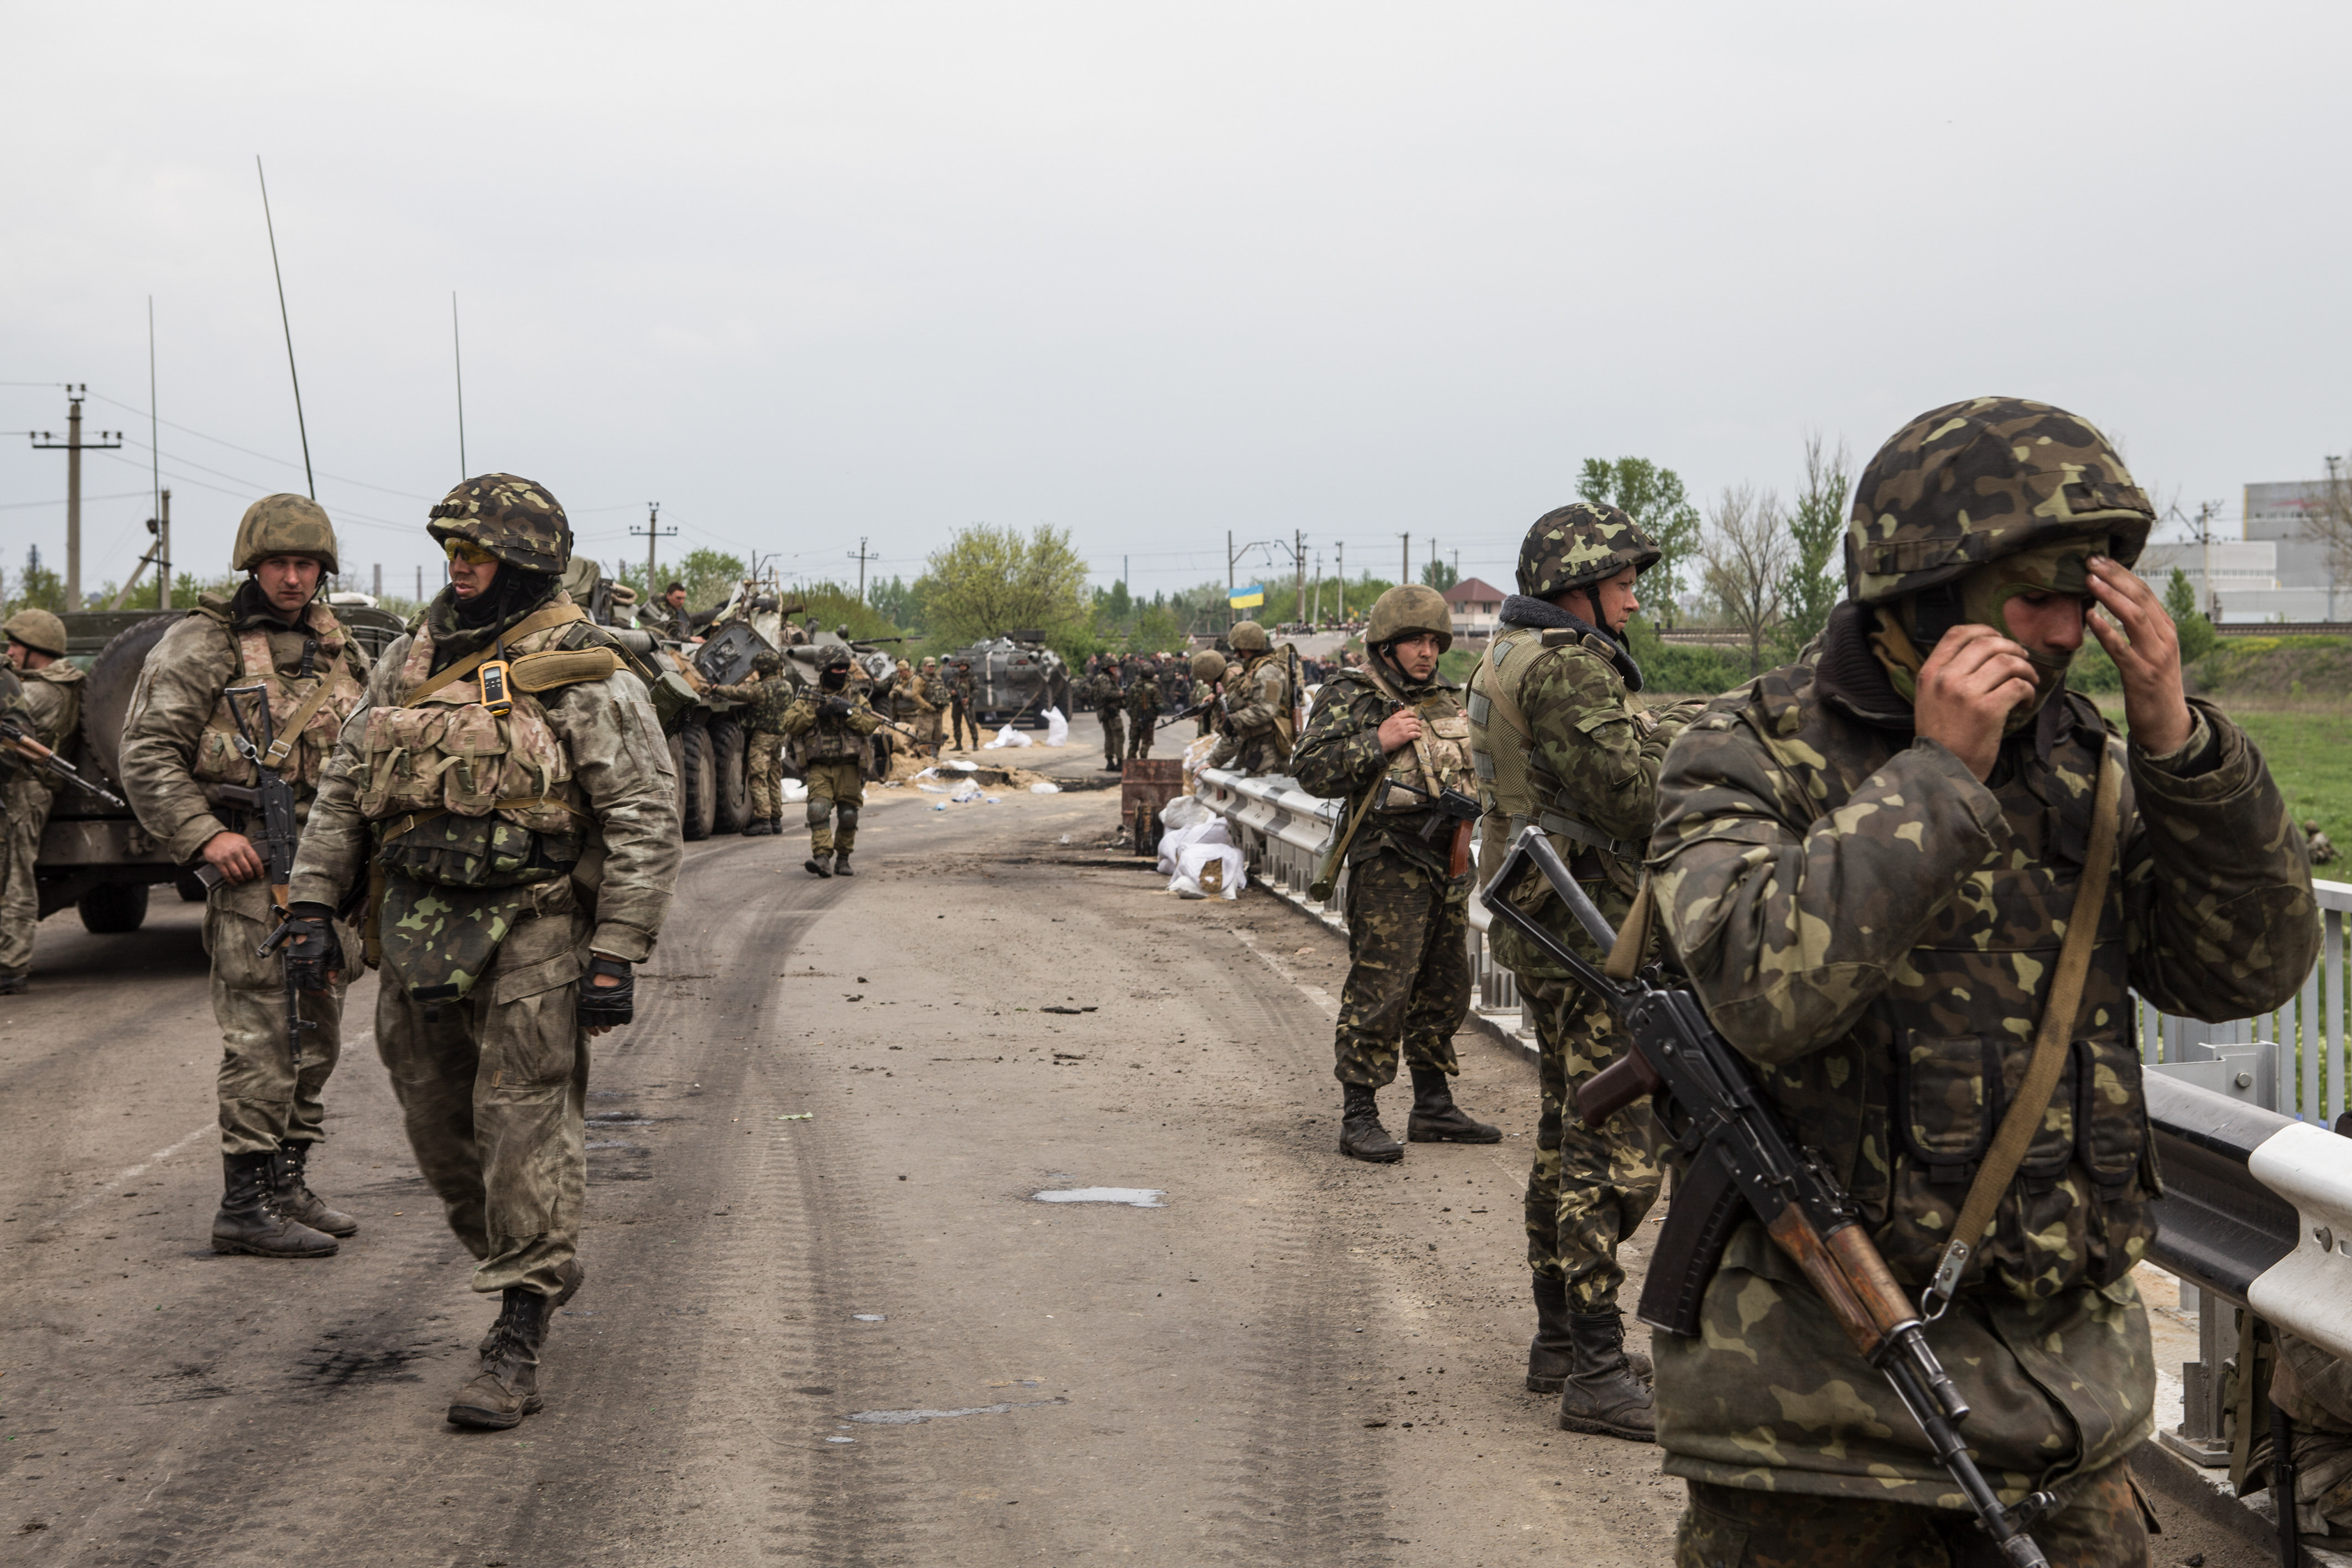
{"points": [[1143, 697], [1256, 719], [621, 774], [1104, 693], [937, 692], [1877, 930], [822, 739], [964, 689], [1592, 756], [1340, 755], [178, 695], [764, 700], [51, 705]]}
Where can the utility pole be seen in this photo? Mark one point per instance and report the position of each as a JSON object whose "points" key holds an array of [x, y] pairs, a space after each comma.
{"points": [[861, 556], [1298, 569], [654, 531], [378, 590], [73, 446], [163, 551], [1343, 579], [1404, 561], [420, 585]]}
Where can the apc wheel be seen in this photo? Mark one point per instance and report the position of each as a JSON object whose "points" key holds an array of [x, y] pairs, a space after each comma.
{"points": [[731, 758], [114, 908], [697, 783]]}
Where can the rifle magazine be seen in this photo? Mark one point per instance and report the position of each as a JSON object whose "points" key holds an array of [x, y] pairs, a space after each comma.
{"points": [[1707, 1207]]}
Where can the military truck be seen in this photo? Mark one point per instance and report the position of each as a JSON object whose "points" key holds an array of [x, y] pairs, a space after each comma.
{"points": [[1015, 678], [95, 856]]}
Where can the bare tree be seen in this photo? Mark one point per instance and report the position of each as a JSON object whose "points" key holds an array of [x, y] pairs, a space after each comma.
{"points": [[2330, 524], [1748, 549]]}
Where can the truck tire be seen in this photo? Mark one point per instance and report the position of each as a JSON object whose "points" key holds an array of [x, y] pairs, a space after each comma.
{"points": [[106, 692], [112, 909], [697, 783], [731, 759]]}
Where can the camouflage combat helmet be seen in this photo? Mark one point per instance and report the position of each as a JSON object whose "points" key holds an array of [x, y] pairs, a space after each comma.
{"points": [[1407, 611], [765, 663], [1578, 544], [1979, 480], [1249, 637], [284, 524], [37, 629], [1207, 665], [514, 519], [835, 658]]}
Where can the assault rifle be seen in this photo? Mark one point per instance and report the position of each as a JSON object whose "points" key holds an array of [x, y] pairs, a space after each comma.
{"points": [[1740, 1162], [20, 743], [1448, 805], [270, 799]]}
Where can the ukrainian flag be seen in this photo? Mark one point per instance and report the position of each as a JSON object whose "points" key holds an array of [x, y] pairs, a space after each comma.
{"points": [[1248, 598]]}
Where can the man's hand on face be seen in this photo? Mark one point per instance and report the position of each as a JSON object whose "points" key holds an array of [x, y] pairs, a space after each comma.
{"points": [[234, 856], [2154, 703], [1966, 690]]}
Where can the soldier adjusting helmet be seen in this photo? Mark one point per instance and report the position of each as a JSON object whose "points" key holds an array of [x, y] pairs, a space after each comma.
{"points": [[284, 524], [1577, 544], [1976, 481], [1410, 609], [1249, 637], [37, 629], [514, 519]]}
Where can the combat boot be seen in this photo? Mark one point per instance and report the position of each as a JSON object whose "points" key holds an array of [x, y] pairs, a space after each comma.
{"points": [[841, 866], [1550, 1356], [1602, 1393], [295, 1198], [1436, 1119], [506, 1389], [15, 985], [1362, 1136], [819, 866], [249, 1219], [776, 826], [757, 828], [575, 1274]]}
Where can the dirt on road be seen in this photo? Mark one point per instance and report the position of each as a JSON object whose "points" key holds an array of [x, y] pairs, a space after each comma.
{"points": [[828, 1317]]}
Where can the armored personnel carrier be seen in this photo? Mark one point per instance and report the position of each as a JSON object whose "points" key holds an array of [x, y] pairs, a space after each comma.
{"points": [[1015, 678]]}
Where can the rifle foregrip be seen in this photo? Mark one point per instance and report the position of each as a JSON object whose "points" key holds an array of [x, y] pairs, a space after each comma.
{"points": [[1707, 1207], [1616, 1086], [1796, 1236], [1874, 1284]]}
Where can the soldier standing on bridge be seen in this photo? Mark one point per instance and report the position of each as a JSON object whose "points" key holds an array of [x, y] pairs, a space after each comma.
{"points": [[1109, 701], [507, 872], [1142, 710], [47, 703], [1560, 743], [1868, 863], [1257, 706], [1391, 728], [829, 726], [179, 753], [766, 697]]}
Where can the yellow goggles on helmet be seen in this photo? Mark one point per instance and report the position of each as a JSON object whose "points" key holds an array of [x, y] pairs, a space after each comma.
{"points": [[468, 552]]}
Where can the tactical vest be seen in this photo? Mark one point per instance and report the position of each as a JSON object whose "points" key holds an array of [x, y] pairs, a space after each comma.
{"points": [[1514, 785], [1438, 760], [306, 715], [831, 739]]}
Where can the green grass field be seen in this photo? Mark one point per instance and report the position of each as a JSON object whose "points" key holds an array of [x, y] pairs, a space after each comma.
{"points": [[2310, 753]]}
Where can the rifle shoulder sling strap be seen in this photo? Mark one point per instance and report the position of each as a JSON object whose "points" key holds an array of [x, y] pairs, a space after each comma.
{"points": [[290, 734], [2052, 1041], [538, 620], [1633, 937]]}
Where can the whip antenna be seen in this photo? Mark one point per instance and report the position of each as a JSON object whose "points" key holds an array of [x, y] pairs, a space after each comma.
{"points": [[309, 478]]}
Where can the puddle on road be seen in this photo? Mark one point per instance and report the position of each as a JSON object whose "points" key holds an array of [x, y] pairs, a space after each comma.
{"points": [[917, 1417], [1132, 1196], [869, 1318]]}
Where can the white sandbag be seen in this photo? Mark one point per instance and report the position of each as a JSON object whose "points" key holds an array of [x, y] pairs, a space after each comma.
{"points": [[1174, 846], [1008, 736], [1058, 727], [1182, 812], [1202, 869], [1044, 787], [1196, 756], [790, 790]]}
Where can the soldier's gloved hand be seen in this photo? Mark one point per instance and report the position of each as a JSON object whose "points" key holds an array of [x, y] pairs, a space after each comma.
{"points": [[834, 707], [313, 953], [607, 1006]]}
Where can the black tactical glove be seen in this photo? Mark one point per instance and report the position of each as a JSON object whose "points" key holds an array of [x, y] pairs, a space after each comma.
{"points": [[608, 1007], [832, 708], [312, 952]]}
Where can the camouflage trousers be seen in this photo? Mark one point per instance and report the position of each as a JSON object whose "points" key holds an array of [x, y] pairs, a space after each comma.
{"points": [[1139, 733], [960, 725], [1589, 1188], [27, 802], [1408, 969], [2322, 1478], [492, 1091], [2101, 1522], [765, 773], [262, 1103], [926, 729], [1114, 730], [835, 788]]}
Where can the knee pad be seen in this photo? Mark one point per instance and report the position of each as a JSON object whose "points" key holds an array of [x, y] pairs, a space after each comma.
{"points": [[848, 819], [820, 812]]}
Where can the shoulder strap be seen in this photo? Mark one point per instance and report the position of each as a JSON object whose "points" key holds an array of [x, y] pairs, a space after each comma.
{"points": [[289, 734], [2052, 1041], [538, 620]]}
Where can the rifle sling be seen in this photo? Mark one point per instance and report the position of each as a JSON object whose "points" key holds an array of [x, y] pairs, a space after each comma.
{"points": [[290, 734], [538, 620], [2052, 1041], [1633, 937]]}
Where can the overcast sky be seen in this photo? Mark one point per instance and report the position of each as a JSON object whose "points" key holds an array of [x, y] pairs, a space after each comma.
{"points": [[812, 275]]}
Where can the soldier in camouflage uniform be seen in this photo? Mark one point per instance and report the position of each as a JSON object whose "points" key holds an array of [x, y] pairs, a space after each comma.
{"points": [[1208, 674], [764, 696], [964, 688], [1865, 861], [1256, 711], [179, 758], [1396, 726], [1108, 701], [1142, 710], [937, 697], [520, 845], [47, 702], [829, 726], [1560, 743]]}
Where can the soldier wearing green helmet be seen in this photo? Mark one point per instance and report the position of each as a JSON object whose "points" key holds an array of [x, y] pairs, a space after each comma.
{"points": [[765, 697], [1867, 862], [1258, 707], [45, 698], [1560, 742], [1391, 732], [507, 794], [193, 790]]}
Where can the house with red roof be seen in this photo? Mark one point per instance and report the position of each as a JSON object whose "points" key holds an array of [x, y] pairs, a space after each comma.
{"points": [[1476, 606]]}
